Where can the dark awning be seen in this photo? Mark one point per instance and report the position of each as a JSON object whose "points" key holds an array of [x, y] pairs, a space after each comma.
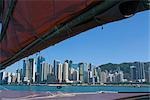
{"points": [[32, 25]]}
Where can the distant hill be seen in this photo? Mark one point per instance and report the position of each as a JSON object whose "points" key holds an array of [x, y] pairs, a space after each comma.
{"points": [[125, 67]]}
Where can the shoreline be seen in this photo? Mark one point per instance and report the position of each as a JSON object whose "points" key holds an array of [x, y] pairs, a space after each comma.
{"points": [[132, 85]]}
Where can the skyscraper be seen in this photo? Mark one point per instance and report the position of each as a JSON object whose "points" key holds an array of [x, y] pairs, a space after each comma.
{"points": [[50, 69], [44, 71], [90, 75], [120, 76], [148, 75], [95, 75], [81, 72], [98, 69], [40, 60], [147, 71], [56, 69], [29, 67], [133, 73], [140, 71], [103, 77], [18, 75], [65, 72], [9, 78], [75, 75], [25, 69], [59, 72], [85, 74], [1, 76]]}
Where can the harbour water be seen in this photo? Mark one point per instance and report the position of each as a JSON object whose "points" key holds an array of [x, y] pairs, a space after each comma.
{"points": [[75, 89]]}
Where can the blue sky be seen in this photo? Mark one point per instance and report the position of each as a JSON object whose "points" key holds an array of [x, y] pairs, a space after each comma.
{"points": [[122, 41]]}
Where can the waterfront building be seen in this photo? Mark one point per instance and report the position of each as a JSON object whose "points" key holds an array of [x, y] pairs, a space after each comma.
{"points": [[39, 62], [148, 75], [114, 77], [147, 71], [5, 77], [30, 70], [21, 75], [90, 75], [95, 75], [34, 66], [50, 76], [110, 77], [44, 71], [18, 75], [9, 77], [103, 77], [140, 71], [50, 69], [120, 77], [65, 72], [1, 76], [75, 75], [14, 78], [85, 74], [59, 72], [70, 62], [133, 73], [81, 72], [56, 63], [71, 74], [25, 69], [98, 74]]}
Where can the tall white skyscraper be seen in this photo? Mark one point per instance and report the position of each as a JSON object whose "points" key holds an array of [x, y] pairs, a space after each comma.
{"points": [[65, 72], [34, 70], [18, 75], [9, 77], [59, 72], [45, 71]]}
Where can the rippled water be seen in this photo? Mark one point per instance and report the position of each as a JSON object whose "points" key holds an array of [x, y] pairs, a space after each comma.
{"points": [[76, 89]]}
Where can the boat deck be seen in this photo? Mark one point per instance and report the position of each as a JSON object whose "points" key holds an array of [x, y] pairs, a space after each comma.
{"points": [[29, 95]]}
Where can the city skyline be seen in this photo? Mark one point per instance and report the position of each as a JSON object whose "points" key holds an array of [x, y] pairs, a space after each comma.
{"points": [[38, 71], [100, 46]]}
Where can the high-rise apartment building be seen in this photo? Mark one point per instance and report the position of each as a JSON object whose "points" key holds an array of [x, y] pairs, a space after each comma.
{"points": [[44, 71], [29, 68], [81, 72], [56, 63], [60, 73], [140, 71], [39, 62], [103, 77], [133, 73], [65, 72]]}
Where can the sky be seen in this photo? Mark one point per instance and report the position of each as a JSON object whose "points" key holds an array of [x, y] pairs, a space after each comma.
{"points": [[127, 40]]}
